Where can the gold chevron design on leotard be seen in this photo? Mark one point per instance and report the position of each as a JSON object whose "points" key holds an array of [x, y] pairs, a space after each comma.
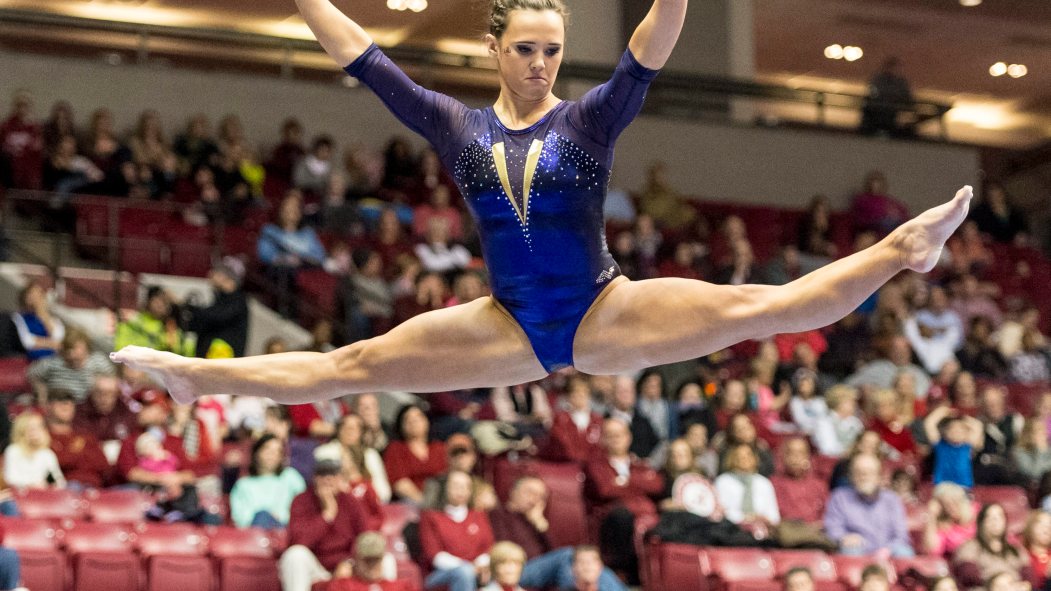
{"points": [[532, 159]]}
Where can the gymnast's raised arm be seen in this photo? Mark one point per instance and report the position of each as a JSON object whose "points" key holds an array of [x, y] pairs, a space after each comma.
{"points": [[656, 35], [343, 39]]}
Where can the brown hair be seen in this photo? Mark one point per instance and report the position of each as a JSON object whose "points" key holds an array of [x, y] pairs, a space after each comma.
{"points": [[500, 12]]}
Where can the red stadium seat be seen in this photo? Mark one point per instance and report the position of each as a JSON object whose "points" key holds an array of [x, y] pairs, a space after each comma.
{"points": [[102, 557], [175, 560], [1014, 500], [245, 559], [118, 506], [740, 569], [566, 512], [53, 504], [13, 375], [43, 564], [682, 568]]}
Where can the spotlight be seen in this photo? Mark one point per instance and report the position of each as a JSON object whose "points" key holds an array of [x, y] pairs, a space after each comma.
{"points": [[852, 54], [834, 52], [1017, 70], [998, 69], [970, 3]]}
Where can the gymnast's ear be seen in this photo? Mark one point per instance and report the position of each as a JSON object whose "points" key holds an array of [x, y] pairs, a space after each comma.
{"points": [[492, 44]]}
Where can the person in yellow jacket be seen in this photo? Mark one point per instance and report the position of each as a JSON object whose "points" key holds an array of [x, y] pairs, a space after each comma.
{"points": [[155, 327]]}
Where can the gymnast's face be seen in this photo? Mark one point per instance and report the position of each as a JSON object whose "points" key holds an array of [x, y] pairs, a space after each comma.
{"points": [[529, 53]]}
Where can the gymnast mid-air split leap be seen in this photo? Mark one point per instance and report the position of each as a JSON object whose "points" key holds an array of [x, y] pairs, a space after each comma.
{"points": [[534, 169]]}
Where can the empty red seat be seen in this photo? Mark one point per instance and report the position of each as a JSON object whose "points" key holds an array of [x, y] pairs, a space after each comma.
{"points": [[118, 506], [245, 559], [1014, 500], [54, 504], [740, 569], [43, 564], [175, 560], [102, 557], [13, 375], [681, 568], [566, 510]]}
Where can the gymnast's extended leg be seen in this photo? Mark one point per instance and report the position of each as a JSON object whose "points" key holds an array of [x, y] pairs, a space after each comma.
{"points": [[640, 324], [468, 346]]}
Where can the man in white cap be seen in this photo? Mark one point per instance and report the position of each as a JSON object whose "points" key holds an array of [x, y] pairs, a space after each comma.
{"points": [[365, 571]]}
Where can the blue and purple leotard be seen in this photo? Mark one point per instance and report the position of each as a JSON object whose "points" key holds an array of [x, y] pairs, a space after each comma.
{"points": [[536, 194]]}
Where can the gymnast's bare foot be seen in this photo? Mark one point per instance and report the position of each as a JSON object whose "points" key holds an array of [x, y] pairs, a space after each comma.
{"points": [[164, 368], [922, 238]]}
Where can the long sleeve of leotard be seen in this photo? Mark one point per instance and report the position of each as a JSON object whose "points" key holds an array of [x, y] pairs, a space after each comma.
{"points": [[435, 116], [606, 110]]}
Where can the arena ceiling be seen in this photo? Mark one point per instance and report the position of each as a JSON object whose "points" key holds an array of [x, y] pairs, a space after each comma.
{"points": [[946, 48]]}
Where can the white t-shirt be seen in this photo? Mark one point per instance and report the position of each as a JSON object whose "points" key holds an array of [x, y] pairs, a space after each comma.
{"points": [[31, 470]]}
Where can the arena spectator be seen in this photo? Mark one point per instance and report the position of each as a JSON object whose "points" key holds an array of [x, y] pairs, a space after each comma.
{"points": [[588, 572], [324, 523], [874, 210], [73, 369], [575, 431], [890, 418], [1036, 539], [28, 460], [644, 439], [849, 341], [107, 152], [104, 414], [368, 301], [889, 94], [154, 326], [277, 422], [200, 445], [998, 218], [1002, 426], [694, 406], [317, 419], [864, 518], [456, 541], [836, 432], [618, 487], [935, 332], [438, 206], [61, 122], [967, 250], [945, 583], [807, 406], [10, 567], [880, 373], [437, 252], [798, 578], [662, 202], [311, 172], [681, 460], [39, 331], [990, 552], [525, 407], [801, 496], [400, 166], [285, 247], [264, 497], [740, 266], [652, 405], [1023, 317], [684, 261], [67, 172], [979, 354], [349, 438], [1031, 453], [375, 433], [741, 430], [150, 148], [1007, 581], [22, 144], [951, 520], [746, 496], [507, 561], [521, 520], [365, 571], [223, 324], [874, 577], [969, 301], [814, 236], [461, 456], [79, 454], [955, 439], [196, 145], [412, 459], [1032, 363], [390, 241], [706, 459]]}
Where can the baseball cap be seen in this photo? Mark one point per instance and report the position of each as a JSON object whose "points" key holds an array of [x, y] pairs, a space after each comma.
{"points": [[370, 545], [232, 267]]}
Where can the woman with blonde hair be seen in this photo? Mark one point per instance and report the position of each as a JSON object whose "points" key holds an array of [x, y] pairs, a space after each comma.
{"points": [[506, 561], [1032, 454], [28, 460], [950, 520], [1036, 539]]}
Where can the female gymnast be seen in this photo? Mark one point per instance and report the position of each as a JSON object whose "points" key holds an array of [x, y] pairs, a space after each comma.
{"points": [[534, 169]]}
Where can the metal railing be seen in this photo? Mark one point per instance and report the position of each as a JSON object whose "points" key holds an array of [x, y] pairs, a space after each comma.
{"points": [[674, 94]]}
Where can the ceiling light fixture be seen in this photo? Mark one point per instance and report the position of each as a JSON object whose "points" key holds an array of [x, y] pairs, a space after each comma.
{"points": [[1017, 70], [970, 3], [852, 53], [998, 69], [834, 52], [413, 5]]}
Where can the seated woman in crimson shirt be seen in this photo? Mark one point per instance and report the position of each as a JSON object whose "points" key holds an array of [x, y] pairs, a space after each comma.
{"points": [[457, 540], [412, 459], [576, 431]]}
